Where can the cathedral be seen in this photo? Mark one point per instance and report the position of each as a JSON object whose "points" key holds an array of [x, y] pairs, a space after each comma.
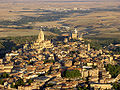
{"points": [[41, 36], [41, 43]]}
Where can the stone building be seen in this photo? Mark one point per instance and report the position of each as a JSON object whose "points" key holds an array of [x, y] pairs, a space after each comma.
{"points": [[74, 35], [88, 47], [67, 63], [66, 40], [41, 43], [101, 86], [41, 36]]}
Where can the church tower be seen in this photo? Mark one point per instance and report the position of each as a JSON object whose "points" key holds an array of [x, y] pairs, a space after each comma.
{"points": [[75, 34], [88, 47], [41, 36], [41, 43]]}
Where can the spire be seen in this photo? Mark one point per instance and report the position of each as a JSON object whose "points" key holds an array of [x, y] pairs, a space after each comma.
{"points": [[88, 47], [76, 31], [41, 36]]}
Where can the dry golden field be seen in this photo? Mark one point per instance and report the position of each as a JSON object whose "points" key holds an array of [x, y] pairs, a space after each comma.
{"points": [[97, 23]]}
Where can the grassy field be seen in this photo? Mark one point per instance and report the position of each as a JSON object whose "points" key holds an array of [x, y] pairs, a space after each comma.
{"points": [[98, 24]]}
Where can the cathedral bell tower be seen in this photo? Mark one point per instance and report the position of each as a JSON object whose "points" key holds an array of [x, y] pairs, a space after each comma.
{"points": [[41, 36]]}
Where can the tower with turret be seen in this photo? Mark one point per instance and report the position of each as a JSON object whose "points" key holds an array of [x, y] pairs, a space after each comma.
{"points": [[75, 34], [88, 47], [41, 36]]}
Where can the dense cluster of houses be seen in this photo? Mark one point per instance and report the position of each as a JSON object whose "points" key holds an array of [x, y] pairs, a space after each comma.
{"points": [[45, 63]]}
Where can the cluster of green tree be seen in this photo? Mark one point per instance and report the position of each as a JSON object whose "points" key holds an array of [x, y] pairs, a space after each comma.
{"points": [[97, 43], [29, 81], [4, 75], [13, 43], [31, 63], [49, 85], [75, 52], [22, 27], [50, 37], [26, 19], [116, 86], [113, 69], [53, 30], [1, 82], [49, 61], [19, 82], [52, 16], [100, 43], [101, 9], [82, 88], [71, 74]]}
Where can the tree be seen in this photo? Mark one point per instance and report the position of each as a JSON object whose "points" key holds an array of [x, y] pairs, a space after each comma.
{"points": [[113, 69], [72, 74], [19, 82], [13, 48], [12, 86], [4, 75], [31, 63], [29, 81], [116, 86], [1, 82], [82, 88]]}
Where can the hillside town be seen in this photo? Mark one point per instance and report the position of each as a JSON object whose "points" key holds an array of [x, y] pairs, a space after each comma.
{"points": [[69, 64]]}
